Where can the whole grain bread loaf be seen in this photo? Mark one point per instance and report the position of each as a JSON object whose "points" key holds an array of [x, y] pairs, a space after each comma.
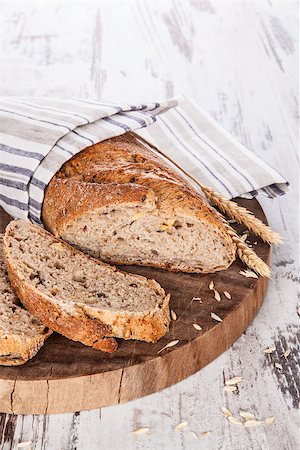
{"points": [[120, 202], [80, 297], [21, 334]]}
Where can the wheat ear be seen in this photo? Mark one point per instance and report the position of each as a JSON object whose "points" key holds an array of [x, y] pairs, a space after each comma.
{"points": [[230, 208], [245, 253], [242, 215]]}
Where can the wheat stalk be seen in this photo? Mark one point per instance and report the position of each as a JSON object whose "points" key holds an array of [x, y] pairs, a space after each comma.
{"points": [[245, 253], [230, 208], [242, 215]]}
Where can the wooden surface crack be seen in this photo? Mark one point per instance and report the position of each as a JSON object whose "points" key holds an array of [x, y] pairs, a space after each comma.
{"points": [[120, 386], [12, 397], [48, 388]]}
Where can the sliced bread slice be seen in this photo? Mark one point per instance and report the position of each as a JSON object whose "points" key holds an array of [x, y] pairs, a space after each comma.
{"points": [[80, 297], [21, 334]]}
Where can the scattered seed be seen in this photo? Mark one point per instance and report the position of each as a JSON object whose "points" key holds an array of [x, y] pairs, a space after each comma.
{"points": [[298, 310], [255, 243], [217, 296], [252, 423], [197, 327], [197, 298], [244, 237], [170, 344], [269, 350], [231, 221], [270, 420], [246, 415], [24, 444], [278, 366], [193, 434], [234, 420], [248, 273], [286, 353], [141, 431], [205, 434], [227, 295], [226, 412], [211, 286], [181, 426], [233, 380], [229, 388], [216, 317], [173, 314]]}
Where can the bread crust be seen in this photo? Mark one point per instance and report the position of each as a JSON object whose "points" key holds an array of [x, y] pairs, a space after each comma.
{"points": [[14, 352], [82, 327], [122, 170]]}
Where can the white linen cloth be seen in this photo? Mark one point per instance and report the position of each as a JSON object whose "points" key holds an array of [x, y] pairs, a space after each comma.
{"points": [[38, 135]]}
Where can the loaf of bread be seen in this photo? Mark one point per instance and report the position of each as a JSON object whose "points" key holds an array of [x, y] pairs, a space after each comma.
{"points": [[120, 202], [80, 297], [21, 334]]}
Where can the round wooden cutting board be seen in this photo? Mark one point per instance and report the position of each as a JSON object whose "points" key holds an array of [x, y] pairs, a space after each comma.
{"points": [[66, 376]]}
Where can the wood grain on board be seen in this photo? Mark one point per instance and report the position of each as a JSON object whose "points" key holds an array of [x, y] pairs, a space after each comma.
{"points": [[239, 61], [46, 383]]}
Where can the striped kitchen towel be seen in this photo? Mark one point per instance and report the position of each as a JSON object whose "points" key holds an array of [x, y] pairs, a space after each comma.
{"points": [[37, 135]]}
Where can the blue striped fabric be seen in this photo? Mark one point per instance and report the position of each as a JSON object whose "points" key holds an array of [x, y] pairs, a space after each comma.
{"points": [[38, 135]]}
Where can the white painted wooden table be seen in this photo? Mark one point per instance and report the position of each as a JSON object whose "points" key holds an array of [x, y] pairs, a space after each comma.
{"points": [[239, 61]]}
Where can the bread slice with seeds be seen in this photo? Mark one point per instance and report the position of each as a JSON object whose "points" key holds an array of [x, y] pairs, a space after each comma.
{"points": [[80, 297], [21, 334]]}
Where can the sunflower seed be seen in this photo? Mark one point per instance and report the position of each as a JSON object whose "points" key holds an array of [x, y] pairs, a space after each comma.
{"points": [[167, 225], [252, 423], [197, 298], [181, 425], [137, 216], [226, 412], [234, 420], [233, 380], [227, 295], [248, 273], [211, 285], [197, 327], [217, 296], [270, 420], [170, 344], [269, 350], [216, 317], [286, 353], [173, 314], [141, 431], [57, 246], [246, 415], [278, 366], [229, 388]]}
